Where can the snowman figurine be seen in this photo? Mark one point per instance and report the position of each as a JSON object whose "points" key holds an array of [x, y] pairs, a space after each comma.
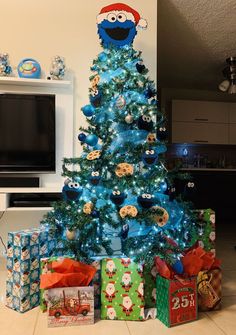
{"points": [[57, 71]]}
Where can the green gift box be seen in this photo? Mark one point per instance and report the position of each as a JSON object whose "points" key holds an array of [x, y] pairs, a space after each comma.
{"points": [[205, 233], [122, 289]]}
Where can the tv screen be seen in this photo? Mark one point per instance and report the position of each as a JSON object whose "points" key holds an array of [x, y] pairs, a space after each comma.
{"points": [[27, 133]]}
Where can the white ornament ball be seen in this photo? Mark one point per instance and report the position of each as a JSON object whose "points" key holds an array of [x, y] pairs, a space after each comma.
{"points": [[129, 119], [70, 234], [120, 102]]}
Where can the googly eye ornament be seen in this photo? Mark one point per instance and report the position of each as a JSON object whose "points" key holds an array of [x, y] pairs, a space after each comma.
{"points": [[150, 157], [95, 98], [146, 200], [95, 178], [162, 134], [145, 122], [71, 191], [117, 197]]}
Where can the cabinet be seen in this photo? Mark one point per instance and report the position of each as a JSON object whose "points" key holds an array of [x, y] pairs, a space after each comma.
{"points": [[203, 122]]}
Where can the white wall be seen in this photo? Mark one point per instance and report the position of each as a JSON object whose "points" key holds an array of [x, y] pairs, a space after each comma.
{"points": [[42, 29], [45, 28]]}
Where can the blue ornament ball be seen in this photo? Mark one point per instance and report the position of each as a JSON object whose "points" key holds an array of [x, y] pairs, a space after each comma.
{"points": [[91, 140], [102, 57], [163, 186], [95, 213], [81, 137], [178, 267], [88, 110]]}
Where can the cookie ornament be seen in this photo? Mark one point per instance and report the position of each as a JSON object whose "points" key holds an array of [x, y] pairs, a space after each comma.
{"points": [[88, 207], [124, 169], [129, 210], [95, 154], [160, 219], [151, 138]]}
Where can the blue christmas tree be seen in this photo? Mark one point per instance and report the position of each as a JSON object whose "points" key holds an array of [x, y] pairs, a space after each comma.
{"points": [[122, 199]]}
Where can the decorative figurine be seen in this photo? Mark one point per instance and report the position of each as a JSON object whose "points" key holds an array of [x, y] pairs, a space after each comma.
{"points": [[5, 68], [29, 68], [57, 71]]}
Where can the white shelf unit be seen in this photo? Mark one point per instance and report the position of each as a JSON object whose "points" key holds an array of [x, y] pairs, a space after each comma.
{"points": [[35, 82], [6, 192], [63, 91]]}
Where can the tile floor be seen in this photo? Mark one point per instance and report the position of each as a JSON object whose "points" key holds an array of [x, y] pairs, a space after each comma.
{"points": [[214, 323]]}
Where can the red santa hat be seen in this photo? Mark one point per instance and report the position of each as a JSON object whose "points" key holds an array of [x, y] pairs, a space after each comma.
{"points": [[112, 282], [125, 295], [127, 272], [109, 306], [130, 13]]}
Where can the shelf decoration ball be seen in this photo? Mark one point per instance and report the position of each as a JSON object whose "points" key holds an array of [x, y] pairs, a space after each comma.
{"points": [[91, 140], [88, 110], [118, 24], [58, 68], [5, 68], [29, 68]]}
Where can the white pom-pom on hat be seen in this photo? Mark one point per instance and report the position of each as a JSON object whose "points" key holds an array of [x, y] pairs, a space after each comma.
{"points": [[142, 24]]}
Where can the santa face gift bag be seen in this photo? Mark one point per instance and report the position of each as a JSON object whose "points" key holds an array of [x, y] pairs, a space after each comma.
{"points": [[122, 293]]}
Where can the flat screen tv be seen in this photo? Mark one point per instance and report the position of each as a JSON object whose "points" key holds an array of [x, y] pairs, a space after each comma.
{"points": [[27, 133]]}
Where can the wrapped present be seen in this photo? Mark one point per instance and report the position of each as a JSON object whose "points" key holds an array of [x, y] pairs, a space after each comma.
{"points": [[209, 289], [122, 289], [62, 272], [176, 300], [205, 233], [70, 306], [24, 250]]}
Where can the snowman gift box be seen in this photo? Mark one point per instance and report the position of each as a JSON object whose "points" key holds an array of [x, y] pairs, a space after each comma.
{"points": [[24, 250], [122, 290]]}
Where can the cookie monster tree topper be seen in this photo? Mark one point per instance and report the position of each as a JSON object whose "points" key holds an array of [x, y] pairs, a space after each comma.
{"points": [[118, 24]]}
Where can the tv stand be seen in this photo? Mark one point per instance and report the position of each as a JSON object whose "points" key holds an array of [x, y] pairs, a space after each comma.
{"points": [[32, 198]]}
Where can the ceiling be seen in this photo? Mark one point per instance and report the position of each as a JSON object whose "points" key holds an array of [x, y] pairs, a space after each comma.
{"points": [[194, 39]]}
